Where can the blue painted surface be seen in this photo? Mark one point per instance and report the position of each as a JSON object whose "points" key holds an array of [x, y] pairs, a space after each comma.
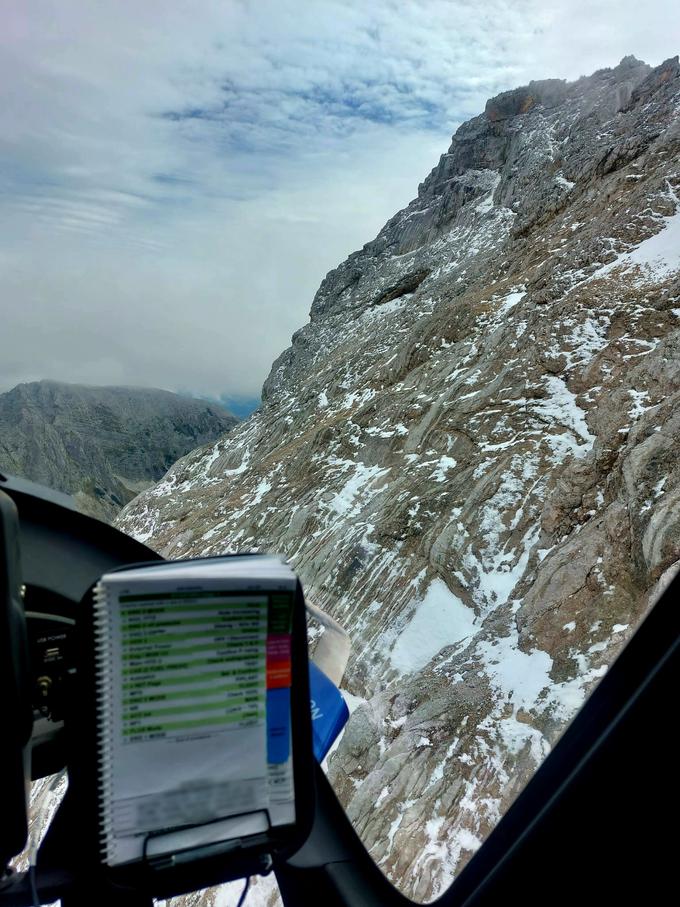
{"points": [[278, 725], [329, 711]]}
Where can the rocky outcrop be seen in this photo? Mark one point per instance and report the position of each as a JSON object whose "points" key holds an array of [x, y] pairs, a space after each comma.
{"points": [[470, 454], [103, 445]]}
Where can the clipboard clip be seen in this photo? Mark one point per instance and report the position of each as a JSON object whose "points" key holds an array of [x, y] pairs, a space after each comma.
{"points": [[174, 847]]}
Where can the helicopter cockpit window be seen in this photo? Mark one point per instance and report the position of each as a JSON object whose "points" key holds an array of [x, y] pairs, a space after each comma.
{"points": [[393, 291]]}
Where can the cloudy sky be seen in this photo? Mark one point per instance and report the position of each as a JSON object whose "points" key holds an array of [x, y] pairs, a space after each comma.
{"points": [[176, 176]]}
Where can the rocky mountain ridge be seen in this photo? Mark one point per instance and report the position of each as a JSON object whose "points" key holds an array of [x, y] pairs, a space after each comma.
{"points": [[103, 445], [470, 454]]}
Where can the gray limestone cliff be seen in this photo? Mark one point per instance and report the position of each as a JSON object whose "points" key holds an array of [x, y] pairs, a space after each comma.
{"points": [[470, 454], [103, 445]]}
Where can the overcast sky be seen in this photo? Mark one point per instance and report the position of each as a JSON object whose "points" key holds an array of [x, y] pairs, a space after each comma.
{"points": [[176, 178]]}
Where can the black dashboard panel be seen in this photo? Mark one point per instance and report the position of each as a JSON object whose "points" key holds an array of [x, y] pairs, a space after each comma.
{"points": [[63, 552]]}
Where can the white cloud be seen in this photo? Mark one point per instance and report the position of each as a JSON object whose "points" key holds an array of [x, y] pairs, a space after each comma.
{"points": [[177, 178]]}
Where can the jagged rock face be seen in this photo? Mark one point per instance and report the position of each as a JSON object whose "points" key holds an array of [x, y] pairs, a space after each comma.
{"points": [[103, 445], [470, 454]]}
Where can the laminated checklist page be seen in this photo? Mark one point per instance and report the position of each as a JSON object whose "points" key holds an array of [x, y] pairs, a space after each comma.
{"points": [[193, 673]]}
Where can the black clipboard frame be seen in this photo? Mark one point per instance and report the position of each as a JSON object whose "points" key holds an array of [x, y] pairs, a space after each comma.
{"points": [[207, 865]]}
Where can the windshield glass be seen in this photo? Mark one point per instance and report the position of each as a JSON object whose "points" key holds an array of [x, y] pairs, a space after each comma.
{"points": [[468, 450]]}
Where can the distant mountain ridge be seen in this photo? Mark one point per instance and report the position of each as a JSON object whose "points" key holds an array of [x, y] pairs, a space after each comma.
{"points": [[103, 445]]}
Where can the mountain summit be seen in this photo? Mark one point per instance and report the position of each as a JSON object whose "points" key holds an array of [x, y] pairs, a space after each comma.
{"points": [[470, 454]]}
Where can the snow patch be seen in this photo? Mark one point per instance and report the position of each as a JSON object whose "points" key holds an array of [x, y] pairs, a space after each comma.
{"points": [[509, 302], [445, 463], [349, 500], [657, 257], [520, 677], [357, 398], [639, 399], [440, 619], [263, 487], [565, 183], [561, 407]]}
